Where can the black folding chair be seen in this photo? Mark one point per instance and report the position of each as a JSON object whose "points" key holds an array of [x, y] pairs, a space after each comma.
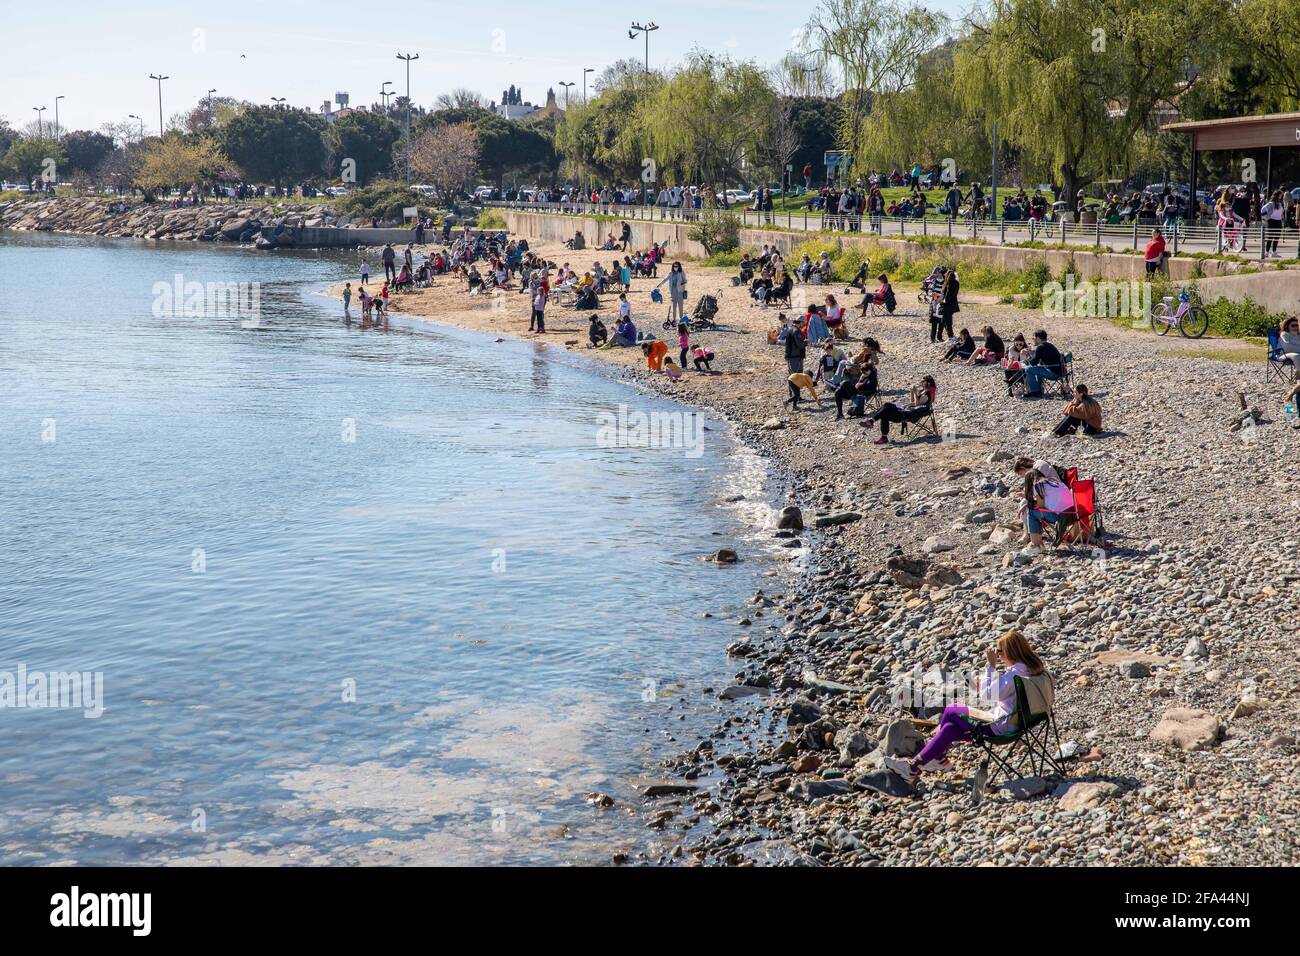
{"points": [[1279, 366], [1032, 745]]}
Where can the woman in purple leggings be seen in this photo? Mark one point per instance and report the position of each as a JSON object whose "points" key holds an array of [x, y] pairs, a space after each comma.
{"points": [[997, 693]]}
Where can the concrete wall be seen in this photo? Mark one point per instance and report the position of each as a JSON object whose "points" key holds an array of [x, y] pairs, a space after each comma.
{"points": [[1277, 291], [330, 237], [1088, 265]]}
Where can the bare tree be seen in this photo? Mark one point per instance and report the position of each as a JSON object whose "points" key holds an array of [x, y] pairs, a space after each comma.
{"points": [[445, 157], [459, 99]]}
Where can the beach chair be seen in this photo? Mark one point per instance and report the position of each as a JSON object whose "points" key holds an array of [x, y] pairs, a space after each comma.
{"points": [[1279, 367], [927, 427], [1032, 745], [1065, 381]]}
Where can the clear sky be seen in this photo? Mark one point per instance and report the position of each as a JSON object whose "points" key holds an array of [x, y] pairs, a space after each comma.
{"points": [[99, 54]]}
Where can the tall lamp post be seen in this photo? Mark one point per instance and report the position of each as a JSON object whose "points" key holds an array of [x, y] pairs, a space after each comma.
{"points": [[647, 29], [408, 57], [57, 128], [141, 119], [210, 117], [384, 94], [159, 78], [585, 71], [566, 84], [40, 128], [278, 101]]}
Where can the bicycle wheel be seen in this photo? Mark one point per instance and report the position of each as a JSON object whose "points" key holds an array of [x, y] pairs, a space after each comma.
{"points": [[1195, 322], [1160, 319]]}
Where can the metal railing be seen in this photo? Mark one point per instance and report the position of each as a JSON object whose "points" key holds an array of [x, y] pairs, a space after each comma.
{"points": [[1256, 239]]}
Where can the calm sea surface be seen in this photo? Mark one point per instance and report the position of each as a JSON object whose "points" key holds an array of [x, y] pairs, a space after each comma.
{"points": [[353, 596]]}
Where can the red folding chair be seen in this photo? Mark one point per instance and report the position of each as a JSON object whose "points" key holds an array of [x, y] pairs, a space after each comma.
{"points": [[1084, 513]]}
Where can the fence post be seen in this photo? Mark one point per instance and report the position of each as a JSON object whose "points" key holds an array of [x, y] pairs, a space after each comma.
{"points": [[902, 226], [1002, 231], [1218, 239], [1135, 232], [1261, 240], [1098, 228], [1176, 233], [950, 227], [1064, 224], [925, 229]]}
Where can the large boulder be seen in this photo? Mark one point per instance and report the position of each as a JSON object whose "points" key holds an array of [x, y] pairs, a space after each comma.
{"points": [[1084, 795], [234, 228], [791, 519], [1187, 729], [902, 739]]}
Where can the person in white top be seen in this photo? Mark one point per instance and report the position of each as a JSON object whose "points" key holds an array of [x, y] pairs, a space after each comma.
{"points": [[1046, 496], [996, 705], [1289, 339]]}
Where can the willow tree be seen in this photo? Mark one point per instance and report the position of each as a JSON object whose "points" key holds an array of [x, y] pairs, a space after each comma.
{"points": [[873, 46], [705, 124], [926, 123], [1072, 82], [604, 137]]}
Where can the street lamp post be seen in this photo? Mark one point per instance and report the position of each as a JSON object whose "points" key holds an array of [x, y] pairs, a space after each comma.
{"points": [[647, 29], [384, 94], [57, 129], [159, 78], [40, 128], [585, 71], [566, 84], [278, 101], [141, 119], [408, 57], [210, 92]]}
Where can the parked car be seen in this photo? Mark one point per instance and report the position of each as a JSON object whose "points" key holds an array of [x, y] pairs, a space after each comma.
{"points": [[483, 192], [337, 191]]}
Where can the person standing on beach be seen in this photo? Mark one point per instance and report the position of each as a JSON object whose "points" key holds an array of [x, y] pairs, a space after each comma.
{"points": [[365, 273], [390, 262], [683, 342], [538, 321], [795, 348], [409, 257], [676, 280]]}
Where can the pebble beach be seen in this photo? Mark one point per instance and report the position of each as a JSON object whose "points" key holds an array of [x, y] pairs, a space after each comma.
{"points": [[1174, 651]]}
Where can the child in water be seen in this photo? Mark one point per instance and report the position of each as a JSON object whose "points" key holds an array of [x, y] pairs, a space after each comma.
{"points": [[347, 297]]}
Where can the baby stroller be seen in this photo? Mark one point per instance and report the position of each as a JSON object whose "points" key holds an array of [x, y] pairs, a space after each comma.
{"points": [[701, 319]]}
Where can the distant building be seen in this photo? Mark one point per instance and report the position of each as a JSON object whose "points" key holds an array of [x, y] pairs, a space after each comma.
{"points": [[528, 111]]}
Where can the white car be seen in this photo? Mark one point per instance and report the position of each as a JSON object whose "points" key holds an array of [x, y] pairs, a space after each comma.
{"points": [[483, 192], [733, 196], [337, 191]]}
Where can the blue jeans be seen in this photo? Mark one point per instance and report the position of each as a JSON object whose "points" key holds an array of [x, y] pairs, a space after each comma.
{"points": [[1034, 375], [1038, 520]]}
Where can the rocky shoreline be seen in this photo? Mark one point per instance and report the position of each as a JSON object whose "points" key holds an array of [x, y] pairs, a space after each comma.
{"points": [[266, 225], [1174, 652]]}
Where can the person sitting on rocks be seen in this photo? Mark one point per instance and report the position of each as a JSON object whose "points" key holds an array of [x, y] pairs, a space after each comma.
{"points": [[962, 349], [624, 334], [997, 700], [1082, 411], [923, 396], [991, 351], [1046, 496], [597, 334]]}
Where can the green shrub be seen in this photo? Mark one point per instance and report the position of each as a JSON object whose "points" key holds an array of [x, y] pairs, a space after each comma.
{"points": [[729, 259], [716, 231], [491, 219], [385, 198], [1239, 319]]}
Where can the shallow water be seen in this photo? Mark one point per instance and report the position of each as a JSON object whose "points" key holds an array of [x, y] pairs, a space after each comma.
{"points": [[355, 596]]}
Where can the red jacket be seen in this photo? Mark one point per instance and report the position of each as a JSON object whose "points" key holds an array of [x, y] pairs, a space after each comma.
{"points": [[1155, 248]]}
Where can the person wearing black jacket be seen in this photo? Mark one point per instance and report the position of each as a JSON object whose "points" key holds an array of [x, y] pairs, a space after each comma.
{"points": [[795, 348], [1045, 364], [947, 307]]}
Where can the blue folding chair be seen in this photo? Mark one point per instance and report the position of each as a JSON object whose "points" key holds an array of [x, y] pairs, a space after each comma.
{"points": [[1279, 366]]}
